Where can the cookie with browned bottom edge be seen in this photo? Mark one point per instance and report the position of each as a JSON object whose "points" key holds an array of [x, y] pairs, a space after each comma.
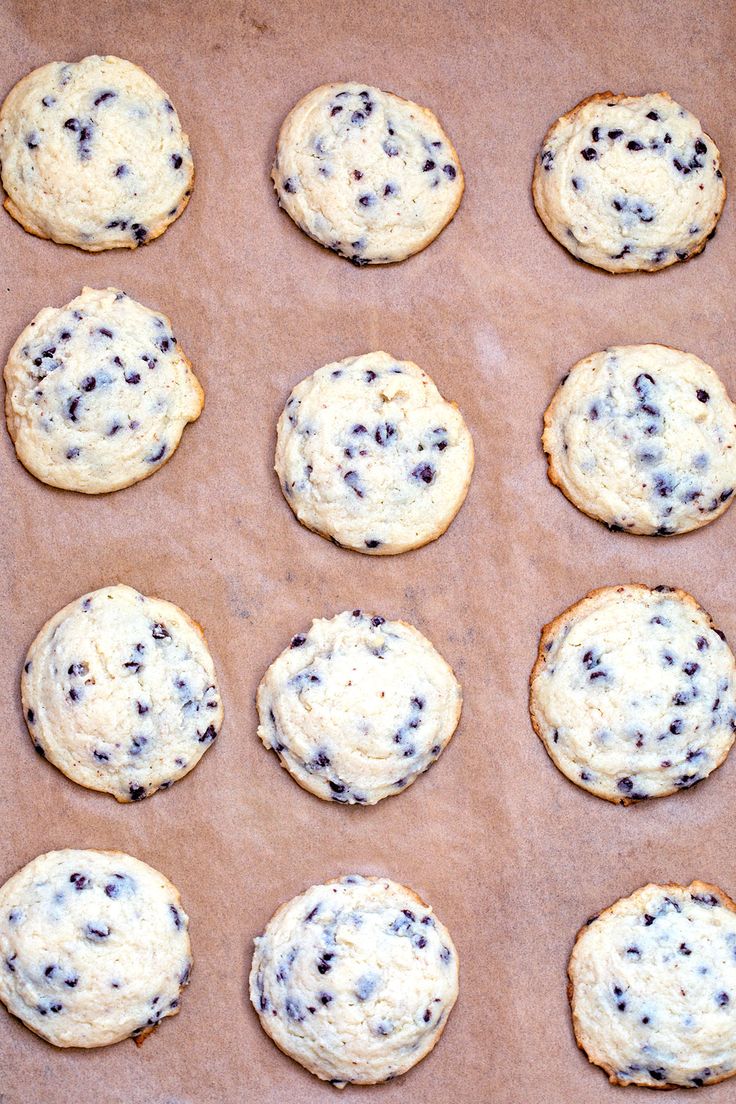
{"points": [[652, 987], [629, 183], [633, 693]]}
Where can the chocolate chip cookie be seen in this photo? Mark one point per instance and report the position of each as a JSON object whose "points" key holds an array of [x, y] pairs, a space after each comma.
{"points": [[629, 183], [634, 693], [98, 393], [643, 438], [93, 154], [367, 174], [371, 456], [357, 707], [653, 987], [119, 692], [94, 947], [354, 980]]}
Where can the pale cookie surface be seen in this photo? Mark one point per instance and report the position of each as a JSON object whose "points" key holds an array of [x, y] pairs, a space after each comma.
{"points": [[94, 947], [98, 393], [371, 176], [634, 693], [354, 980], [93, 154], [119, 692], [358, 707], [643, 438], [653, 987], [629, 182], [370, 455]]}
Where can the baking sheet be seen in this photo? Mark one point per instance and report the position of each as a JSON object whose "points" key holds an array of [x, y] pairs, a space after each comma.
{"points": [[512, 856]]}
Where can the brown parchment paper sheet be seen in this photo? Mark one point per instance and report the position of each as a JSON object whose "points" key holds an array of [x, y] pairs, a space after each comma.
{"points": [[512, 856]]}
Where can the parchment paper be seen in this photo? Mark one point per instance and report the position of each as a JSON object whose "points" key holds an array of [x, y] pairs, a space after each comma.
{"points": [[512, 856]]}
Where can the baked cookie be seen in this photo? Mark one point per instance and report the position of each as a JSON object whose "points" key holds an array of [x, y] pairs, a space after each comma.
{"points": [[94, 947], [93, 155], [371, 176], [98, 393], [634, 693], [653, 987], [354, 980], [370, 455], [629, 182], [119, 692], [357, 707], [643, 438]]}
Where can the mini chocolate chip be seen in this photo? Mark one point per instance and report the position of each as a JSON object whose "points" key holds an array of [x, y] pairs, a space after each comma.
{"points": [[158, 455], [589, 154], [97, 931], [425, 472], [703, 396]]}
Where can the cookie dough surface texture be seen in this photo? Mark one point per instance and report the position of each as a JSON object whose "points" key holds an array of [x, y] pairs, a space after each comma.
{"points": [[653, 987], [98, 393], [634, 693], [643, 438], [371, 456], [354, 980], [368, 174], [120, 693], [93, 154], [629, 182], [94, 947], [358, 707]]}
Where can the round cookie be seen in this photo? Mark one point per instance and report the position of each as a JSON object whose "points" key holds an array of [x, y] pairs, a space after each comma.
{"points": [[93, 154], [634, 693], [358, 707], [119, 692], [653, 987], [365, 173], [354, 980], [629, 183], [98, 393], [643, 438], [371, 456], [94, 947]]}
